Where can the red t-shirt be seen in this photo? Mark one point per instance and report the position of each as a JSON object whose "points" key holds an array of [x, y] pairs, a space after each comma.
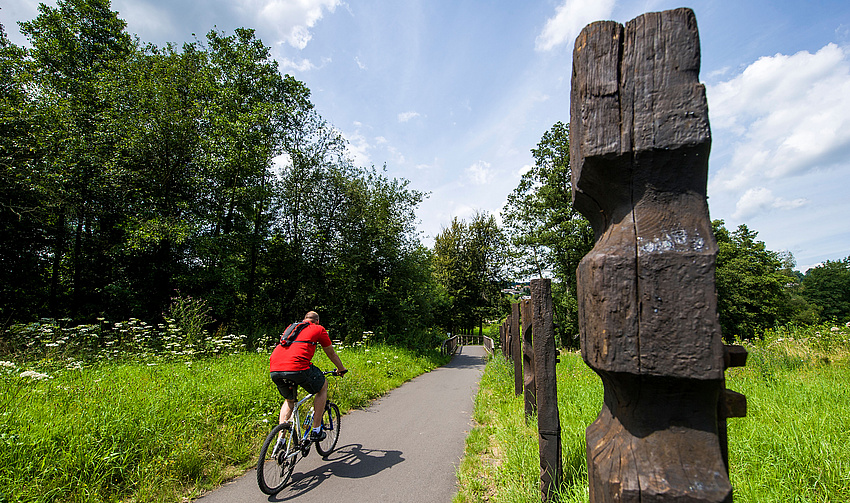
{"points": [[297, 355]]}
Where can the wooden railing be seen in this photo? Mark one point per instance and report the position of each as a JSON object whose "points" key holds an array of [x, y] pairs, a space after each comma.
{"points": [[451, 344]]}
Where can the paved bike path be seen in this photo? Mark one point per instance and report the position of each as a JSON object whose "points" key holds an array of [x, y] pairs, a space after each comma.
{"points": [[403, 448]]}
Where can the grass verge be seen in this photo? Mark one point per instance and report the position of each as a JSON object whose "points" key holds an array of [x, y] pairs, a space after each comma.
{"points": [[156, 432], [793, 446]]}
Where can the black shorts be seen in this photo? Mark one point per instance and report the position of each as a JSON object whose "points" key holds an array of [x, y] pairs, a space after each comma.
{"points": [[311, 380]]}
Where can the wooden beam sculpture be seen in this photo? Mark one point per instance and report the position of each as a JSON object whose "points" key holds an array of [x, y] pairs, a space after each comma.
{"points": [[639, 147], [545, 359], [516, 349], [529, 384]]}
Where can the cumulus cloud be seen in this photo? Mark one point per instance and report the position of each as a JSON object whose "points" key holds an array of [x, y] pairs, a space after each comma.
{"points": [[760, 200], [791, 115], [570, 18], [480, 173], [406, 116], [300, 66], [291, 20]]}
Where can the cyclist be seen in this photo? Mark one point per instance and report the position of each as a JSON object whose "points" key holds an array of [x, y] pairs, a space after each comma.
{"points": [[290, 362]]}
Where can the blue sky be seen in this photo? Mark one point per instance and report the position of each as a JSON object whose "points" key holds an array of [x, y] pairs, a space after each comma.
{"points": [[453, 95]]}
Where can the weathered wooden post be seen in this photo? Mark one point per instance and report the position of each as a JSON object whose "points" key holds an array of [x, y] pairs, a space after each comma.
{"points": [[639, 145], [502, 339], [508, 341], [545, 359], [529, 386], [516, 349]]}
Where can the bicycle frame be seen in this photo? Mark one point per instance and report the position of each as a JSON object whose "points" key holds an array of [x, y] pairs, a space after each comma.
{"points": [[295, 420]]}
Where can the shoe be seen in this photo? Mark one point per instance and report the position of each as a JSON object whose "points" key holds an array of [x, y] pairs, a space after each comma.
{"points": [[317, 436]]}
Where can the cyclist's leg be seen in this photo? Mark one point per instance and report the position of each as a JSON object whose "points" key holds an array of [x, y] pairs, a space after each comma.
{"points": [[319, 405], [286, 410]]}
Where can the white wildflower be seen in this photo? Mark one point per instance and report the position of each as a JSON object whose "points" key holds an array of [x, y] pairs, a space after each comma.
{"points": [[6, 364], [36, 376], [834, 329]]}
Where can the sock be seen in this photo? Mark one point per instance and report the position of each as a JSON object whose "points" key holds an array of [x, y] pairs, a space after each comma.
{"points": [[317, 429]]}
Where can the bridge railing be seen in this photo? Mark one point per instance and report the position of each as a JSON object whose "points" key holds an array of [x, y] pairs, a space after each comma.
{"points": [[451, 344]]}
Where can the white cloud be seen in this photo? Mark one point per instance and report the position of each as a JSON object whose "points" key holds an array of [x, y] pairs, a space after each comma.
{"points": [[791, 115], [290, 19], [406, 116], [760, 200], [480, 173], [360, 64], [300, 66], [570, 18], [358, 148]]}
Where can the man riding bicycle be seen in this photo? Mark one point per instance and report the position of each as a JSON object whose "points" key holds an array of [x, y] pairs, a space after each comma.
{"points": [[290, 363]]}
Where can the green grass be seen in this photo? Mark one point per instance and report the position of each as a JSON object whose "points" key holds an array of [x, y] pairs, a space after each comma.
{"points": [[156, 431], [793, 446]]}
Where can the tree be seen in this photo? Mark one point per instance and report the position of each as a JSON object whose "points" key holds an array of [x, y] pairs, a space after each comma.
{"points": [[751, 283], [22, 190], [130, 171], [76, 48], [547, 235], [828, 287], [469, 263]]}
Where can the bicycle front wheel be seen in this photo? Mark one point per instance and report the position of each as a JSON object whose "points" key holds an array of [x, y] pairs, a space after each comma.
{"points": [[330, 423], [277, 459]]}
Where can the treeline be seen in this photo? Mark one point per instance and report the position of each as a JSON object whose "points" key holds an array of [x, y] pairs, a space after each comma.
{"points": [[131, 174]]}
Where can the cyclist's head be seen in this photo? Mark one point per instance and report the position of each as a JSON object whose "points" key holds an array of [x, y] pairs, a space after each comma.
{"points": [[312, 316]]}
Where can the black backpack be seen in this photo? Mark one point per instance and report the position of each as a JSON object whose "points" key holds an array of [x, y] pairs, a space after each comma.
{"points": [[291, 333]]}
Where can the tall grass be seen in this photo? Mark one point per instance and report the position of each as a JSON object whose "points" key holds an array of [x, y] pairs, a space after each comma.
{"points": [[501, 462], [793, 446], [155, 430]]}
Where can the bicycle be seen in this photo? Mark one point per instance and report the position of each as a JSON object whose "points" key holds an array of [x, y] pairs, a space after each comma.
{"points": [[278, 456]]}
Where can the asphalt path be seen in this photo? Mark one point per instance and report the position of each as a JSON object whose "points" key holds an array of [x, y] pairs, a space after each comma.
{"points": [[404, 448]]}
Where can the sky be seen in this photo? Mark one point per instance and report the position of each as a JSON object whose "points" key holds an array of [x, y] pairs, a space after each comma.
{"points": [[452, 95]]}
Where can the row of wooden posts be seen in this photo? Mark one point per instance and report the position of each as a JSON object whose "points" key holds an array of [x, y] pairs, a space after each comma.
{"points": [[527, 338]]}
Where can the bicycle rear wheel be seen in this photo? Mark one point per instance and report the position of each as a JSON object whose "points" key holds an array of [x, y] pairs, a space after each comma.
{"points": [[277, 459], [330, 423]]}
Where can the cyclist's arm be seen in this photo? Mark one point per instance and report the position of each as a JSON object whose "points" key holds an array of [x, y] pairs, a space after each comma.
{"points": [[334, 358]]}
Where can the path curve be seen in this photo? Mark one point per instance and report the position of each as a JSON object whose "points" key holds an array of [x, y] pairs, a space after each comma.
{"points": [[404, 448]]}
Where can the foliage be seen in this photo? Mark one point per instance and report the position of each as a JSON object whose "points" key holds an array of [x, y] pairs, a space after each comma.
{"points": [[751, 283], [827, 286], [129, 171], [548, 237], [469, 262]]}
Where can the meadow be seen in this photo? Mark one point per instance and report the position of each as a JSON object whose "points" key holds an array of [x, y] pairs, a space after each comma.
{"points": [[793, 446], [139, 416]]}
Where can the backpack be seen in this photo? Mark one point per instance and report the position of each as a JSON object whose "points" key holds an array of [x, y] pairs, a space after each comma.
{"points": [[291, 333]]}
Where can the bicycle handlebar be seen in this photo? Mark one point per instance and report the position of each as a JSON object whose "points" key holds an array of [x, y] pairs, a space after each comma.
{"points": [[335, 372]]}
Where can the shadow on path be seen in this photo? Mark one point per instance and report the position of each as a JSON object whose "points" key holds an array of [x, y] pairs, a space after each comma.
{"points": [[463, 359], [351, 461]]}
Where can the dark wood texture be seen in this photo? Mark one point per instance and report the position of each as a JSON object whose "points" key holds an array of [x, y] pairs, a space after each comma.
{"points": [[516, 349], [545, 360], [529, 386], [639, 145]]}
